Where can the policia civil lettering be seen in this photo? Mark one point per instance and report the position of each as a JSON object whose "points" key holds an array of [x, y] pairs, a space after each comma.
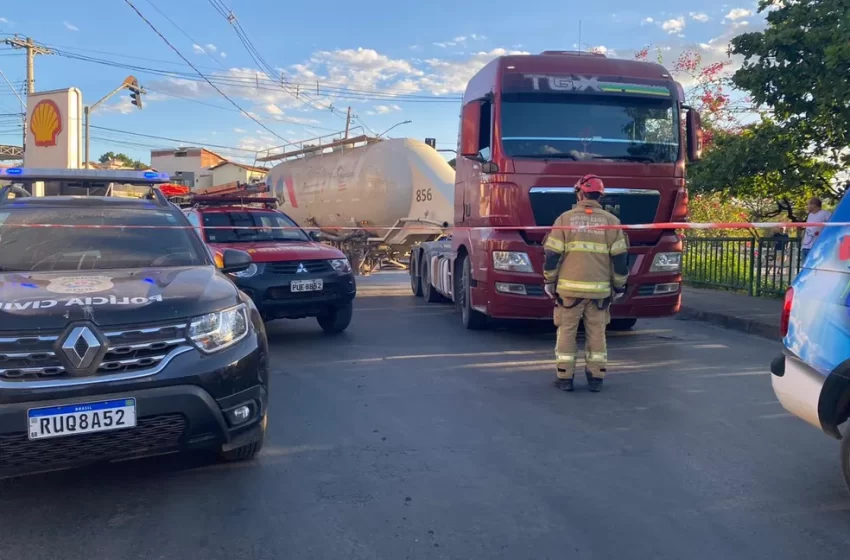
{"points": [[583, 272]]}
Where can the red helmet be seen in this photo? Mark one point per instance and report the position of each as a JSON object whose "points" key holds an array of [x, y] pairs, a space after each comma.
{"points": [[590, 183]]}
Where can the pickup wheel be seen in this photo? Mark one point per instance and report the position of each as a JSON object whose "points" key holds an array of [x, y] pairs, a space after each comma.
{"points": [[430, 294], [415, 279], [621, 324], [472, 319], [337, 319]]}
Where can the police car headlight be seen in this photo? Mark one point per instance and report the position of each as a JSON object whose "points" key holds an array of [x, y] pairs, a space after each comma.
{"points": [[512, 261], [252, 270], [666, 262], [219, 330], [341, 265]]}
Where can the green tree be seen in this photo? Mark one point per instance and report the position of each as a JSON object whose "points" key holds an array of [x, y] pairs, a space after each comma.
{"points": [[764, 162], [799, 67], [123, 159]]}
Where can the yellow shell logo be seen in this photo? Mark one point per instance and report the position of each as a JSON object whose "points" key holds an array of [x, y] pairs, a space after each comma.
{"points": [[46, 123]]}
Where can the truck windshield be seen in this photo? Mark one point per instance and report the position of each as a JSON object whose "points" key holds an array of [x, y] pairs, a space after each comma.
{"points": [[267, 226], [80, 248], [590, 127]]}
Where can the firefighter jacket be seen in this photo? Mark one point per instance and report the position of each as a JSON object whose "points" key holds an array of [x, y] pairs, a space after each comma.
{"points": [[586, 264]]}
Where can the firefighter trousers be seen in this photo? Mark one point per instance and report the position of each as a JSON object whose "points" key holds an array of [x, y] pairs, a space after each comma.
{"points": [[567, 318]]}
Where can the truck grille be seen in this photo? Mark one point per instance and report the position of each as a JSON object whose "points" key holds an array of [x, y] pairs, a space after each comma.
{"points": [[33, 358], [312, 267], [152, 434], [632, 206]]}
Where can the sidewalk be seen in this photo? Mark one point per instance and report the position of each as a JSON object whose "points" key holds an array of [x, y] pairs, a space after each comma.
{"points": [[753, 315]]}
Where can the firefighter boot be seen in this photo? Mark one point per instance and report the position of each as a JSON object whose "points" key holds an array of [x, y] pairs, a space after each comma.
{"points": [[563, 383], [594, 384]]}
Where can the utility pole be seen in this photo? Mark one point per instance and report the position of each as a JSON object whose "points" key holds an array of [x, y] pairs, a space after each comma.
{"points": [[136, 91], [32, 50], [347, 122]]}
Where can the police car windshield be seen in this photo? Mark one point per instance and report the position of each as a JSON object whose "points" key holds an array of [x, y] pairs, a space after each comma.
{"points": [[250, 227], [586, 127], [83, 248]]}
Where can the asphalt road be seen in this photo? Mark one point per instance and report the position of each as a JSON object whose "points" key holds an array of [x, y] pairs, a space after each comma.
{"points": [[408, 437]]}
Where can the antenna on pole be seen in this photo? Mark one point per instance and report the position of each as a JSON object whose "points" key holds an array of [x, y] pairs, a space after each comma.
{"points": [[579, 38]]}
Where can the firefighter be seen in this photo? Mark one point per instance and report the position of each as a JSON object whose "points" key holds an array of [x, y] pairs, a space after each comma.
{"points": [[584, 271]]}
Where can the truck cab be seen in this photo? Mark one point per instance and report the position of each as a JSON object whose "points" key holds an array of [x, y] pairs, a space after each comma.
{"points": [[532, 125]]}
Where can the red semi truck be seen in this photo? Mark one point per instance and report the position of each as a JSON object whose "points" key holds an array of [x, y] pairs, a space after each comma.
{"points": [[531, 125]]}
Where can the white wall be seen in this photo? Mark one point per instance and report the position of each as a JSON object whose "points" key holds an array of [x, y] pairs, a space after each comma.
{"points": [[231, 173], [188, 164]]}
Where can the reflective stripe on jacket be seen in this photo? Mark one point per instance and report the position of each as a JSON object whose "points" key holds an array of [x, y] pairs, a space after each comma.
{"points": [[586, 263]]}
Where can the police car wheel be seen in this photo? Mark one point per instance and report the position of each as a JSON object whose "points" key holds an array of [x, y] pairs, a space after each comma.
{"points": [[845, 457]]}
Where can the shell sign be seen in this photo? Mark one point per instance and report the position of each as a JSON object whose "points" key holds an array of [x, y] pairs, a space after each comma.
{"points": [[46, 123]]}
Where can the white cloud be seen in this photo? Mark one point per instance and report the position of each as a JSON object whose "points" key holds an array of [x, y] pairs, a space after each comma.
{"points": [[123, 106], [273, 109], [239, 130], [451, 76], [738, 13], [70, 26], [210, 48], [222, 54], [476, 37], [674, 26], [384, 109], [700, 17], [415, 48], [3, 20], [198, 49], [647, 20]]}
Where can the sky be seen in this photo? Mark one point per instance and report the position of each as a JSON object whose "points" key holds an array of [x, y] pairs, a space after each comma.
{"points": [[286, 72]]}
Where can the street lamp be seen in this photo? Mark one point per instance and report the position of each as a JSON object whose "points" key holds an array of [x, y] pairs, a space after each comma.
{"points": [[392, 127], [136, 91]]}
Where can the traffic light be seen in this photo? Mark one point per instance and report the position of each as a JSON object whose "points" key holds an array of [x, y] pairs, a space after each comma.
{"points": [[431, 142], [136, 97]]}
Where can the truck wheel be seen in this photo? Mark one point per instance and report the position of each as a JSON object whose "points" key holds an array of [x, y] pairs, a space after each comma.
{"points": [[337, 319], [472, 319], [430, 294], [621, 324], [415, 279]]}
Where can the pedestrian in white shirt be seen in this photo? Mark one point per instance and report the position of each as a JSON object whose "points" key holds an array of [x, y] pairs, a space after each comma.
{"points": [[816, 215]]}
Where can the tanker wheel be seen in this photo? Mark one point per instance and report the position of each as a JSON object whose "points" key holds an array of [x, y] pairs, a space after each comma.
{"points": [[415, 279], [473, 320], [430, 294]]}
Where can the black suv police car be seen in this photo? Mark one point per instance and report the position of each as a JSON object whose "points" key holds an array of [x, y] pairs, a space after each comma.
{"points": [[120, 338]]}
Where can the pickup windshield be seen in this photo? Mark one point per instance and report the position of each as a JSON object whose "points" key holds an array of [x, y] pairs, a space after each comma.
{"points": [[251, 227], [80, 248], [586, 127]]}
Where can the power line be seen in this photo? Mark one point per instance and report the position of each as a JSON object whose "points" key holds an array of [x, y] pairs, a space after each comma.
{"points": [[161, 36], [194, 42], [183, 142]]}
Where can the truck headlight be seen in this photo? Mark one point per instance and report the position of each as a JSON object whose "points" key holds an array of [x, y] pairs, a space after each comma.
{"points": [[512, 261], [666, 262], [218, 330], [341, 265], [248, 272]]}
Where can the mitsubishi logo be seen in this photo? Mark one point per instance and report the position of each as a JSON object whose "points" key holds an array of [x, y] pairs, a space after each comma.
{"points": [[81, 347], [301, 269]]}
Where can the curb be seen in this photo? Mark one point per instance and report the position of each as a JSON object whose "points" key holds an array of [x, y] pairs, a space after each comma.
{"points": [[758, 328]]}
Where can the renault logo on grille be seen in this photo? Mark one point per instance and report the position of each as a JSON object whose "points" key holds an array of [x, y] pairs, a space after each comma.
{"points": [[301, 269], [81, 347]]}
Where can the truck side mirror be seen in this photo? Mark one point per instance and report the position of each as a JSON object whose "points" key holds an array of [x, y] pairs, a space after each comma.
{"points": [[470, 130], [315, 235], [694, 132], [234, 260]]}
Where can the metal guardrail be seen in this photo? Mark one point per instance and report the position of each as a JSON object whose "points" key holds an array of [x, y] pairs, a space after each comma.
{"points": [[759, 266]]}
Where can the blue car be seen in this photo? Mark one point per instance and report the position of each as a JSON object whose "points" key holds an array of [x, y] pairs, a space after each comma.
{"points": [[811, 378]]}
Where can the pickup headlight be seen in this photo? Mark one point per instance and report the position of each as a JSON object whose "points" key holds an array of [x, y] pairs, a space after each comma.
{"points": [[341, 265], [512, 261], [248, 272], [218, 330], [666, 262]]}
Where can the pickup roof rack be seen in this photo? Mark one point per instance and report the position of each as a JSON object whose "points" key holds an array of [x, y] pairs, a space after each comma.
{"points": [[230, 194]]}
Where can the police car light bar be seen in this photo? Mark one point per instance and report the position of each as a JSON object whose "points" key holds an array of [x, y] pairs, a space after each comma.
{"points": [[103, 175]]}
